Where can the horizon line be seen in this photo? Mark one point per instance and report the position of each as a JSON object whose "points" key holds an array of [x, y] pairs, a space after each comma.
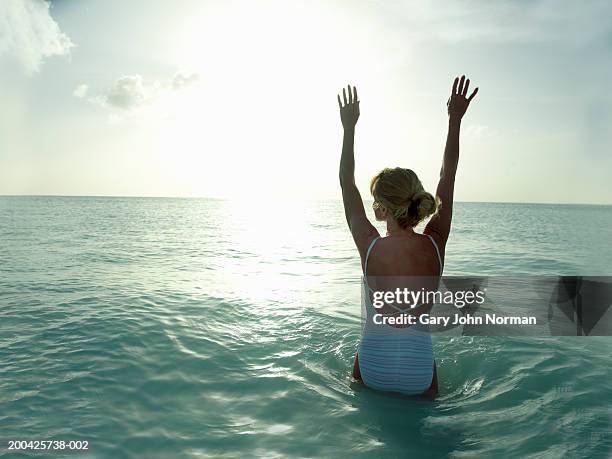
{"points": [[297, 199]]}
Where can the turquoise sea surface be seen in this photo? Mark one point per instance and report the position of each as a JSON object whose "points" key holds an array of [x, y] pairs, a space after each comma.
{"points": [[193, 328]]}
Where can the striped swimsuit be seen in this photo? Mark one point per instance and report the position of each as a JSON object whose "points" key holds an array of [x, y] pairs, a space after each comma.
{"points": [[391, 358]]}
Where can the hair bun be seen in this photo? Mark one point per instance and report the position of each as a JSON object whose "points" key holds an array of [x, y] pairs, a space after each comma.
{"points": [[423, 204], [400, 191]]}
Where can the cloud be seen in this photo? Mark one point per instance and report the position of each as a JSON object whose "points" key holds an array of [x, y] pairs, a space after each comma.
{"points": [[183, 79], [130, 92], [127, 92], [81, 91], [29, 34]]}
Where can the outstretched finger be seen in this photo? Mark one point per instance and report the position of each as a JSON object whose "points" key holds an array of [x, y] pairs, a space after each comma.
{"points": [[460, 89], [455, 85], [339, 102], [355, 95], [344, 95], [473, 94], [465, 88], [350, 94]]}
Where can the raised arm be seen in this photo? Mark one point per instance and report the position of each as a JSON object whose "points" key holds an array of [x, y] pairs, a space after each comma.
{"points": [[361, 228], [439, 225]]}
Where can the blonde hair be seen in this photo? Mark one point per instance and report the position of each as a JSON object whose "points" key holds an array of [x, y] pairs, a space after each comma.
{"points": [[400, 191]]}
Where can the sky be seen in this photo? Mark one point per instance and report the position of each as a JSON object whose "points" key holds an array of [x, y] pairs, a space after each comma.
{"points": [[237, 99]]}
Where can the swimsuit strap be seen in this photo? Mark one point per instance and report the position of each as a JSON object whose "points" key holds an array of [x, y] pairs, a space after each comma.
{"points": [[437, 251], [365, 267]]}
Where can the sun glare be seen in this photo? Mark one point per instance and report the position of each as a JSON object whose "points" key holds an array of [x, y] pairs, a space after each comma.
{"points": [[267, 72]]}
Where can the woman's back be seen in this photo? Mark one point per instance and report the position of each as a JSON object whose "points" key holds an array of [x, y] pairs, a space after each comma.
{"points": [[412, 255], [397, 358]]}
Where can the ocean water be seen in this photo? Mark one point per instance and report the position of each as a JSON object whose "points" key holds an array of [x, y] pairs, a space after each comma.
{"points": [[192, 328]]}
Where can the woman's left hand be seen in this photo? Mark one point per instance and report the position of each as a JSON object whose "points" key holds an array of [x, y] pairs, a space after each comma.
{"points": [[459, 101], [349, 112]]}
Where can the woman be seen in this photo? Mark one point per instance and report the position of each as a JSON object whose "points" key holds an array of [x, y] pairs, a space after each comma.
{"points": [[399, 358]]}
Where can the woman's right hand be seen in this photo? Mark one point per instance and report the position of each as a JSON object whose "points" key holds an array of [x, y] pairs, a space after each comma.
{"points": [[458, 102], [349, 112]]}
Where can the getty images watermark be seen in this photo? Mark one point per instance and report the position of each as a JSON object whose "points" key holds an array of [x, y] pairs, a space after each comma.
{"points": [[490, 306], [457, 298]]}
